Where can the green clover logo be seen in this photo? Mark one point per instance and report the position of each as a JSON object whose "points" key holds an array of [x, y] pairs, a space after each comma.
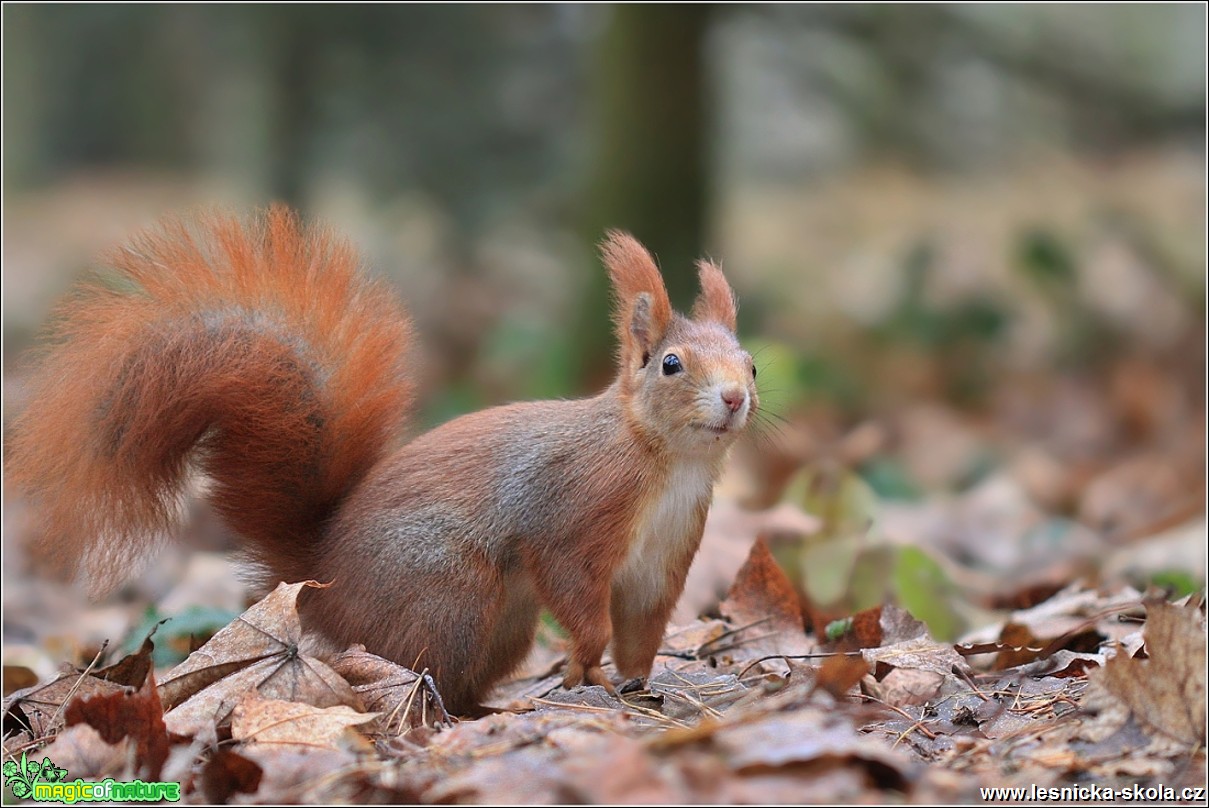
{"points": [[22, 777]]}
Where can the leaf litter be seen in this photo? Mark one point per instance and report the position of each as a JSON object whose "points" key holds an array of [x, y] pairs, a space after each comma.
{"points": [[743, 706]]}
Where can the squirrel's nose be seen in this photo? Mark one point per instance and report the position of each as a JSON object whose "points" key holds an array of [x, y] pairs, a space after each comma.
{"points": [[733, 398]]}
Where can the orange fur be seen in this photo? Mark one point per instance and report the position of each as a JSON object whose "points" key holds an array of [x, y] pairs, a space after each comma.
{"points": [[257, 354]]}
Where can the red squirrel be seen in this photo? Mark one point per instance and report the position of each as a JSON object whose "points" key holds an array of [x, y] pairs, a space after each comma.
{"points": [[258, 356]]}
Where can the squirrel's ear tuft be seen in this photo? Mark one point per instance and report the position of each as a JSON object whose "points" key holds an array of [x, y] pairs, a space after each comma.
{"points": [[643, 311], [716, 302]]}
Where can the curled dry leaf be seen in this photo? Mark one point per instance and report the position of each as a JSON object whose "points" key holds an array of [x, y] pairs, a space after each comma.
{"points": [[39, 709], [730, 530], [1074, 617], [1063, 665], [1017, 646], [1165, 693], [131, 670], [258, 652], [763, 600], [137, 715], [403, 697]]}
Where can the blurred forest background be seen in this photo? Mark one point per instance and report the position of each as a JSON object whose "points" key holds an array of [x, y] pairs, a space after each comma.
{"points": [[968, 240]]}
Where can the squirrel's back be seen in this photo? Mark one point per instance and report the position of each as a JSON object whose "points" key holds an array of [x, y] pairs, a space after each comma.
{"points": [[256, 355], [469, 527]]}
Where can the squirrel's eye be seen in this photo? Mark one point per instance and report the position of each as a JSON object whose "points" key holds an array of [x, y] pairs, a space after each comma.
{"points": [[671, 365], [753, 371]]}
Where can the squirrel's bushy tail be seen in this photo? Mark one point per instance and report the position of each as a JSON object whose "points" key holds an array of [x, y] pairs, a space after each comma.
{"points": [[256, 357]]}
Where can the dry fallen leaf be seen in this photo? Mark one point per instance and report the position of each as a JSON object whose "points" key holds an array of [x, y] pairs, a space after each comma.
{"points": [[909, 686], [269, 627], [132, 669], [1076, 618], [806, 734], [839, 673], [762, 593], [39, 709], [1165, 693], [726, 542], [137, 715], [297, 774], [228, 773], [302, 752], [257, 720], [259, 652], [879, 625], [762, 602], [18, 677], [921, 653], [402, 696]]}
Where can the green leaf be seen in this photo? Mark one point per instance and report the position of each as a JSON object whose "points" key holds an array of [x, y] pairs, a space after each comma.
{"points": [[926, 592], [872, 579], [826, 568], [843, 552], [1178, 582], [837, 628], [200, 622]]}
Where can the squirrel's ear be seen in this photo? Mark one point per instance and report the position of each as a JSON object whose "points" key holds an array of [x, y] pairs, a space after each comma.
{"points": [[716, 302], [643, 311]]}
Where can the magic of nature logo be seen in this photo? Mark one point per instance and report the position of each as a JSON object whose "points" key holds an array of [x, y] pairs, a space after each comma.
{"points": [[46, 782]]}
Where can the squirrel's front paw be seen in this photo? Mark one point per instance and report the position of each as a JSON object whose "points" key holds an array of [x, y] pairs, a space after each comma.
{"points": [[577, 674]]}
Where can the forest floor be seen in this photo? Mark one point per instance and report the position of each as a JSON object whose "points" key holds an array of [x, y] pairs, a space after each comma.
{"points": [[1065, 677]]}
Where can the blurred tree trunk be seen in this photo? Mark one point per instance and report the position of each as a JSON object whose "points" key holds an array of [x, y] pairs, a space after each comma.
{"points": [[296, 38], [25, 88], [650, 162]]}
